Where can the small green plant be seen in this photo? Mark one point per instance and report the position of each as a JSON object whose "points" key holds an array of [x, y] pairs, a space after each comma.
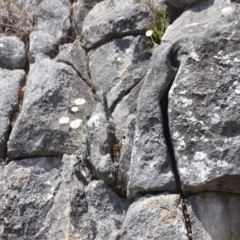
{"points": [[14, 21], [79, 126], [161, 23]]}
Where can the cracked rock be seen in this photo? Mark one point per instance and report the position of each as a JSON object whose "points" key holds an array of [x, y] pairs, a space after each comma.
{"points": [[204, 113], [150, 168], [118, 65], [75, 56]]}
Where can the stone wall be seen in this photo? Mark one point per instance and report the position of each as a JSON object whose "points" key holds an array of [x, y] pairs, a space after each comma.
{"points": [[151, 152]]}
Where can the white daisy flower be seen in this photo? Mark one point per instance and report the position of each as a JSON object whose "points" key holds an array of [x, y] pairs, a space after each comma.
{"points": [[64, 120], [76, 123], [75, 109], [80, 101], [149, 33]]}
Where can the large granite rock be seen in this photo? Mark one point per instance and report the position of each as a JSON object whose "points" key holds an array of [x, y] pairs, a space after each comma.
{"points": [[10, 84], [52, 88], [53, 17], [118, 66], [150, 168], [155, 217], [106, 211], [204, 113], [124, 117], [12, 53], [114, 18], [75, 56], [43, 43], [44, 199], [200, 18], [214, 216]]}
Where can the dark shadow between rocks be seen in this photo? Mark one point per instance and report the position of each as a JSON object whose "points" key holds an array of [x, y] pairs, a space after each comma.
{"points": [[173, 59], [199, 6]]}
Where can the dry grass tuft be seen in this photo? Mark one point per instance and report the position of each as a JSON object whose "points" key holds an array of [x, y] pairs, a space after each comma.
{"points": [[14, 20]]}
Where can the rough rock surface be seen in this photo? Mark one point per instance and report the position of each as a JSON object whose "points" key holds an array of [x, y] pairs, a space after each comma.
{"points": [[29, 188], [45, 199], [203, 114], [75, 56], [166, 123], [12, 53], [117, 66], [10, 84], [110, 19], [42, 42], [106, 211], [214, 216], [68, 217], [150, 168], [49, 96], [155, 217]]}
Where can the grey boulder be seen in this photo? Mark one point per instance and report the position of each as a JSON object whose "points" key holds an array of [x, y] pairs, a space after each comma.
{"points": [[52, 88], [10, 84], [214, 216], [106, 211], [155, 217], [44, 198], [12, 53], [112, 19], [204, 113], [151, 167], [117, 66]]}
